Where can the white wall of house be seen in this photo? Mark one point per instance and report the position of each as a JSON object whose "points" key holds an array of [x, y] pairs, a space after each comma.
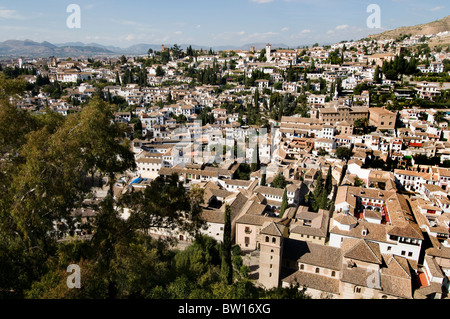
{"points": [[214, 230]]}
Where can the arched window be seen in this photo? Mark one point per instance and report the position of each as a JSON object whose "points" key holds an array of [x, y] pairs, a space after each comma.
{"points": [[267, 239], [302, 267], [317, 270]]}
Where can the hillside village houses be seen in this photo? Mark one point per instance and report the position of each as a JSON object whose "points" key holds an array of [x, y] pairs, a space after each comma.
{"points": [[386, 232]]}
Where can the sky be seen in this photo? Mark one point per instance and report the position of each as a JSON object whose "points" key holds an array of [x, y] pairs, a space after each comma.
{"points": [[209, 22]]}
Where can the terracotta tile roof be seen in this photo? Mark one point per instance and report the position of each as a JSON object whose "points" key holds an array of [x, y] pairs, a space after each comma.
{"points": [[314, 281], [396, 278], [257, 220], [213, 216], [272, 228], [375, 232], [345, 219], [362, 250], [265, 190], [360, 276], [313, 254]]}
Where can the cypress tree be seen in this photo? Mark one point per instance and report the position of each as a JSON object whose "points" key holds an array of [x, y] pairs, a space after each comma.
{"points": [[376, 76], [317, 194], [322, 201], [329, 182], [256, 98], [226, 267], [284, 203], [319, 185], [263, 180]]}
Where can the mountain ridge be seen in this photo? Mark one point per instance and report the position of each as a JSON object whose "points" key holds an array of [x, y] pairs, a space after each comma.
{"points": [[433, 27]]}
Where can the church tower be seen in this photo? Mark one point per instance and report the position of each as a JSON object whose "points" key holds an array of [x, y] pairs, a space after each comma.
{"points": [[269, 52], [271, 251]]}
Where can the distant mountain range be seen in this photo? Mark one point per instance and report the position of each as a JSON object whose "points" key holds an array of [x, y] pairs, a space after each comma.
{"points": [[29, 48]]}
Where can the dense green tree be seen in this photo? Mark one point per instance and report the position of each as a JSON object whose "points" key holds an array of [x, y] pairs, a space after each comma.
{"points": [[319, 197], [362, 125], [177, 52], [243, 172], [160, 71], [206, 116], [164, 57], [439, 117], [189, 51], [279, 181], [164, 204], [344, 153], [399, 66], [358, 182], [48, 163]]}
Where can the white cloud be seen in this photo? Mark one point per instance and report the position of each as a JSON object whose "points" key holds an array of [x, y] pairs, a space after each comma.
{"points": [[305, 31], [285, 29], [261, 1], [10, 14], [130, 37], [227, 35], [258, 36], [342, 27], [178, 32], [437, 8], [92, 38]]}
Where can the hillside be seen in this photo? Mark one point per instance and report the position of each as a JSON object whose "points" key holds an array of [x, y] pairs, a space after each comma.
{"points": [[421, 29]]}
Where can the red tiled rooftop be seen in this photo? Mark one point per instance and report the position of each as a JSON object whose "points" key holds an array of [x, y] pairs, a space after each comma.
{"points": [[415, 144], [423, 280]]}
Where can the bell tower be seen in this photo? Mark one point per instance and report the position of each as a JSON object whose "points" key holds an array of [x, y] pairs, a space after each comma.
{"points": [[268, 52], [271, 251]]}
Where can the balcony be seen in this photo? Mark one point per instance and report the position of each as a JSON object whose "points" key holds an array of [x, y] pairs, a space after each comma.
{"points": [[409, 241]]}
